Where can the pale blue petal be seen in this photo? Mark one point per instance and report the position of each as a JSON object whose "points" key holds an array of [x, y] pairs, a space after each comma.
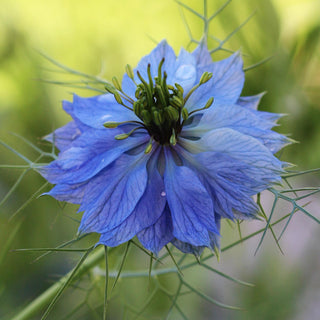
{"points": [[185, 71], [250, 102], [225, 86], [230, 116], [244, 148], [162, 50], [95, 111], [202, 55], [239, 119], [89, 154]]}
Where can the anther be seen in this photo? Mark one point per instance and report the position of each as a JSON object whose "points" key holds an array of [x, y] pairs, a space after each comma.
{"points": [[123, 136], [129, 72], [149, 146], [116, 83]]}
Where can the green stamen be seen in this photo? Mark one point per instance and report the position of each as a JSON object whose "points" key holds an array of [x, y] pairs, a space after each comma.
{"points": [[206, 76], [123, 136], [208, 105]]}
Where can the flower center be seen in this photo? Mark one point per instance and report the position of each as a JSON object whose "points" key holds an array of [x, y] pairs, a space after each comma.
{"points": [[159, 106]]}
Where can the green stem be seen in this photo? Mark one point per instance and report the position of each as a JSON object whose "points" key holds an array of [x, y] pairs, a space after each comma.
{"points": [[45, 298], [206, 21]]}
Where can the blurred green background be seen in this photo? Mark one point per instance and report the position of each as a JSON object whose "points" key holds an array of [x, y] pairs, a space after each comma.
{"points": [[100, 37]]}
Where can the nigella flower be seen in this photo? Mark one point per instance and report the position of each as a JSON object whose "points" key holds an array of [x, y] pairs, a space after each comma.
{"points": [[168, 153]]}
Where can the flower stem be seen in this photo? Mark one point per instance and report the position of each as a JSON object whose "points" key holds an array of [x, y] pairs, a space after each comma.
{"points": [[46, 297]]}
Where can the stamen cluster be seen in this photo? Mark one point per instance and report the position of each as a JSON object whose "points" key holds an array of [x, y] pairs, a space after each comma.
{"points": [[159, 106]]}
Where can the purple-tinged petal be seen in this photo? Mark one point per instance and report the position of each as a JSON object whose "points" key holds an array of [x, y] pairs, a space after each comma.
{"points": [[190, 204], [231, 183], [187, 248], [146, 213], [112, 195], [156, 236], [66, 192]]}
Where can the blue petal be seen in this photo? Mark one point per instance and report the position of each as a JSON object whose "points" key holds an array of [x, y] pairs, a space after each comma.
{"points": [[190, 204], [231, 116], [146, 213], [112, 195], [252, 103], [159, 234], [244, 148], [95, 111], [89, 154], [202, 55], [187, 248], [162, 50], [214, 237], [231, 184], [64, 136], [185, 71], [71, 193], [239, 119], [225, 86]]}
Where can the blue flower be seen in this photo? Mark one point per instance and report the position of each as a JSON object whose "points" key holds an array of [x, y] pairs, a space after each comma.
{"points": [[168, 153]]}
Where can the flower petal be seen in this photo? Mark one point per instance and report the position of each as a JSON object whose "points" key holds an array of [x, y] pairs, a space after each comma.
{"points": [[64, 136], [159, 234], [187, 248], [185, 71], [225, 86], [190, 204], [71, 193], [162, 50], [113, 194], [146, 213], [92, 152], [231, 183], [252, 103], [97, 110], [240, 119], [202, 55], [244, 148]]}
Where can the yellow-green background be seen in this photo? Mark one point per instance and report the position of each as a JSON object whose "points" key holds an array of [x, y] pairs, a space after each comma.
{"points": [[101, 37]]}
